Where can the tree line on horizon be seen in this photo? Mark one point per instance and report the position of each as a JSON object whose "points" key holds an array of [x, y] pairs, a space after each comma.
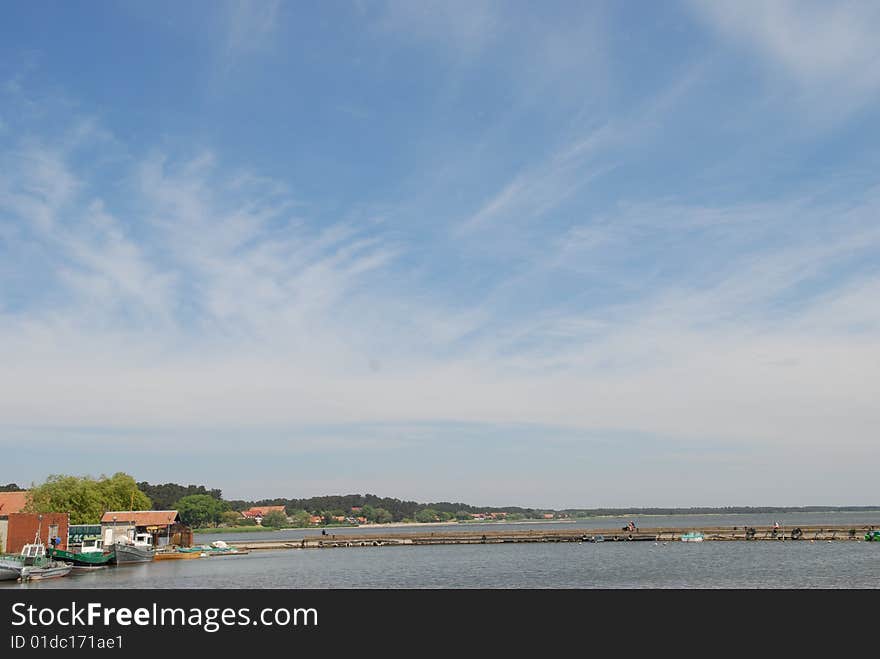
{"points": [[404, 509], [86, 499]]}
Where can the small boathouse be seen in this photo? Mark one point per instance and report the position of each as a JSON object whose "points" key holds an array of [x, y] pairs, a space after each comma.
{"points": [[164, 525]]}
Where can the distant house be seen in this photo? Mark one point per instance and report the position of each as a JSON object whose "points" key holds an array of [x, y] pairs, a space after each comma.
{"points": [[548, 515], [164, 525], [18, 528], [315, 519], [259, 512]]}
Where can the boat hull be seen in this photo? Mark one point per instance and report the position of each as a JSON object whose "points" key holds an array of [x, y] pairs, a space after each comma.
{"points": [[176, 555], [233, 552], [215, 551], [87, 559], [9, 572], [34, 573], [126, 554]]}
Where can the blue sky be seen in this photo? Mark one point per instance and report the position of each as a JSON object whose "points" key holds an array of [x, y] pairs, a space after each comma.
{"points": [[577, 254]]}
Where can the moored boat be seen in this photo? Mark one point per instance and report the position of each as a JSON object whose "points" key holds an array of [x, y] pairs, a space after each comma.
{"points": [[38, 572], [33, 564], [232, 551], [138, 550], [220, 548], [177, 554], [90, 555], [692, 536]]}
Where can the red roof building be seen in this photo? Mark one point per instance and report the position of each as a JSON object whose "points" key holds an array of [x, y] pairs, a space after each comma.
{"points": [[141, 517], [24, 528], [18, 528], [13, 502], [262, 511]]}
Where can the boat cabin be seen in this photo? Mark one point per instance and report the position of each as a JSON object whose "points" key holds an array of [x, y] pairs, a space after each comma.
{"points": [[33, 553], [144, 539], [92, 545]]}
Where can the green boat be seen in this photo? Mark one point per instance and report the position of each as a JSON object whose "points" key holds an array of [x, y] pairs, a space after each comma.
{"points": [[872, 536], [91, 554], [217, 548]]}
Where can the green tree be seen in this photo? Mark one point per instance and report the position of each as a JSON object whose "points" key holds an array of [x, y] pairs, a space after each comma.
{"points": [[230, 517], [382, 516], [164, 496], [301, 519], [276, 519], [86, 499], [199, 510], [427, 515]]}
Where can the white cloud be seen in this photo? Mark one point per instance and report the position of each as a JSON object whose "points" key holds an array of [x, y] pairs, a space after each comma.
{"points": [[828, 49], [213, 299]]}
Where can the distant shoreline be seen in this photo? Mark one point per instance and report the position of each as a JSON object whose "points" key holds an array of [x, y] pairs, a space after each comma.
{"points": [[569, 520]]}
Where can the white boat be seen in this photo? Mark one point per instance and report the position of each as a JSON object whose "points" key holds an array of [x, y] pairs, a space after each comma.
{"points": [[137, 550], [33, 564], [693, 536], [36, 572]]}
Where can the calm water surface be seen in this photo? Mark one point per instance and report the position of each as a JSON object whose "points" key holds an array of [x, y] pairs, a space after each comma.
{"points": [[803, 564]]}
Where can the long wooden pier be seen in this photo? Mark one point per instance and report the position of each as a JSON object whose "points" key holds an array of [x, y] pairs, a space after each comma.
{"points": [[714, 533]]}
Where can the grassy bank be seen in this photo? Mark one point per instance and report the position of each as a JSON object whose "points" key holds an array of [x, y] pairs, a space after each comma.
{"points": [[237, 529], [257, 529]]}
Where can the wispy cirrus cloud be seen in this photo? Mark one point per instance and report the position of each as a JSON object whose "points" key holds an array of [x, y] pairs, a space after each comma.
{"points": [[271, 320], [249, 25], [465, 26], [819, 46], [589, 153], [544, 187]]}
